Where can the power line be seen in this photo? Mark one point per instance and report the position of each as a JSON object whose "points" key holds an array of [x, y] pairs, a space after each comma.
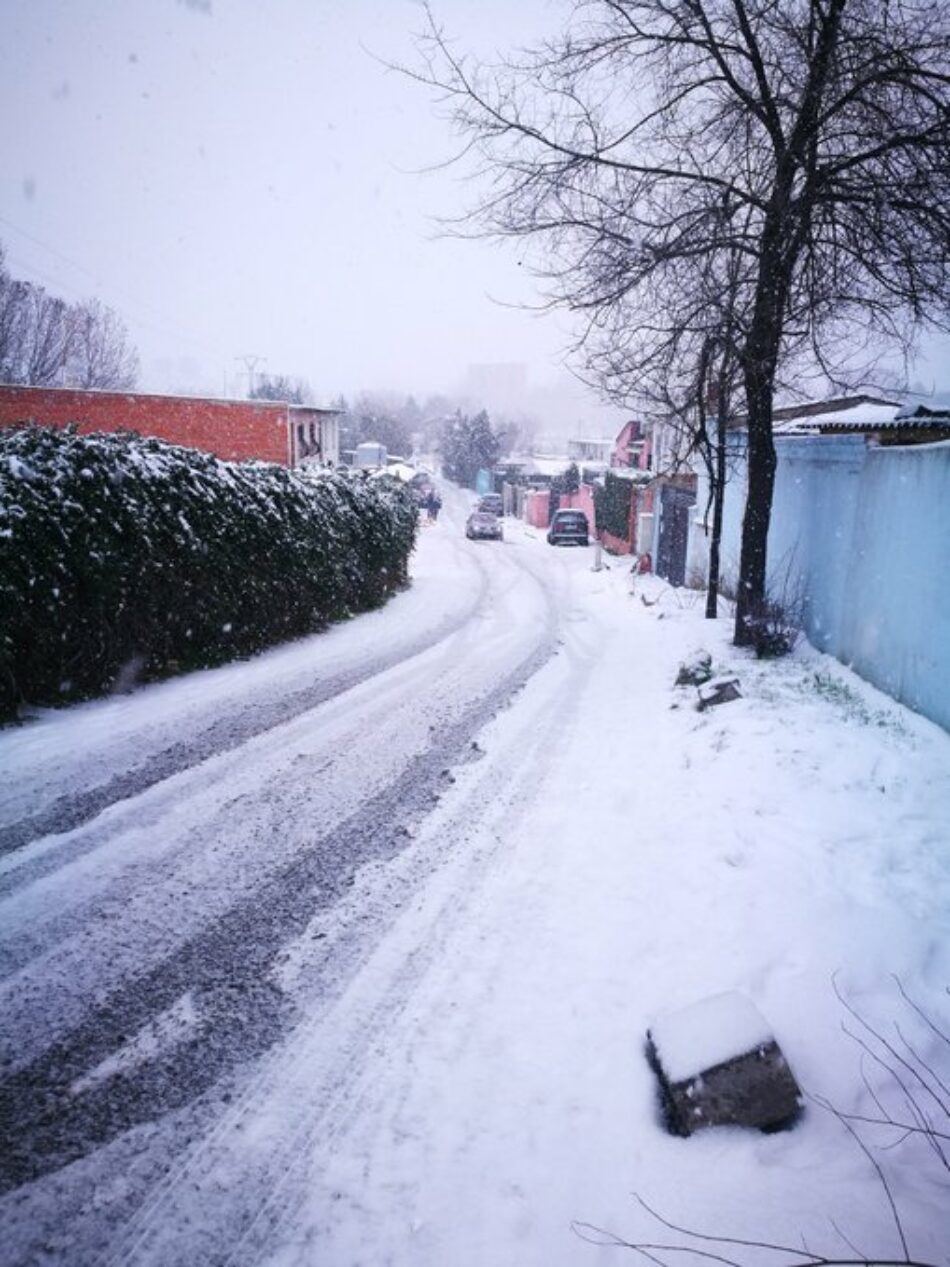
{"points": [[133, 302]]}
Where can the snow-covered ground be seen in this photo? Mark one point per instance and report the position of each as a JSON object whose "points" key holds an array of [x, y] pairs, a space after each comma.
{"points": [[362, 974]]}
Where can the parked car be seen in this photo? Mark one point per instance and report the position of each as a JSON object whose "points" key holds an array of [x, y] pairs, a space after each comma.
{"points": [[493, 503], [482, 524], [569, 527]]}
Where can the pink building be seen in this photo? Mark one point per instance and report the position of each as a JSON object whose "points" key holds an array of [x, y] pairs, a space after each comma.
{"points": [[633, 453], [633, 446]]}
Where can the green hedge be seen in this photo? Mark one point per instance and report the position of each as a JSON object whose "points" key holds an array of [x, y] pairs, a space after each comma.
{"points": [[569, 481], [120, 553]]}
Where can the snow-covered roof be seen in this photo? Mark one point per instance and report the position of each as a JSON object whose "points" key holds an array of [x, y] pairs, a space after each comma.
{"points": [[856, 413], [401, 471], [546, 465], [172, 397], [923, 416], [603, 443]]}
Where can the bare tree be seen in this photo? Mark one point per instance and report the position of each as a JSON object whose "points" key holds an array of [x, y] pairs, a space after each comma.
{"points": [[45, 341], [811, 137], [47, 337], [689, 378], [35, 331], [719, 388], [13, 323], [99, 351], [383, 416], [296, 391]]}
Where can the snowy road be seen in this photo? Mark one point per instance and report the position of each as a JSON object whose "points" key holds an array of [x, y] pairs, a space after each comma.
{"points": [[213, 820], [346, 955]]}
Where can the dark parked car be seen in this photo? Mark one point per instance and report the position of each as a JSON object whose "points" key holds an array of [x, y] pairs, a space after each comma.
{"points": [[493, 503], [482, 524], [569, 527]]}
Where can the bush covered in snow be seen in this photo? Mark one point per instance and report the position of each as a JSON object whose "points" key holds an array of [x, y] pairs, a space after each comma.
{"points": [[612, 501], [119, 551]]}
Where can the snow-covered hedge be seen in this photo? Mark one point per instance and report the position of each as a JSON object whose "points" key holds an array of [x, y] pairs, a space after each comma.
{"points": [[122, 554], [612, 506]]}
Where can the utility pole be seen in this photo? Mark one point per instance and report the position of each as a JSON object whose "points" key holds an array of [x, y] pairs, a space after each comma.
{"points": [[250, 361]]}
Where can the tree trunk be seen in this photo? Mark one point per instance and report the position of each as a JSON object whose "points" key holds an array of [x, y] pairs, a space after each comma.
{"points": [[719, 494], [776, 261], [751, 595]]}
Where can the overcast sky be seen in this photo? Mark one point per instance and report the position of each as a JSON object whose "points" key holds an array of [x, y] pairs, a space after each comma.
{"points": [[239, 177]]}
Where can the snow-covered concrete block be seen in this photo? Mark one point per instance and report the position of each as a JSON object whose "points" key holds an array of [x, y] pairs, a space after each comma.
{"points": [[718, 1063], [718, 690]]}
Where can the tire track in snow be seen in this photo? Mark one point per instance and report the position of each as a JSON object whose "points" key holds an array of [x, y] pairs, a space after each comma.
{"points": [[319, 1084], [225, 733], [226, 969]]}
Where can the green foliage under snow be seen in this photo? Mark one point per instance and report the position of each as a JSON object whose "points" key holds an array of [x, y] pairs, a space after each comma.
{"points": [[612, 505], [569, 481], [124, 556], [468, 446]]}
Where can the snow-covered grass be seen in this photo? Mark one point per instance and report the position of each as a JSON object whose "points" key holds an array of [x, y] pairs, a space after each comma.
{"points": [[777, 845]]}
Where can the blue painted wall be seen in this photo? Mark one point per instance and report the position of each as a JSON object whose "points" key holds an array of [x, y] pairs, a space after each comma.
{"points": [[811, 539], [865, 532], [895, 627]]}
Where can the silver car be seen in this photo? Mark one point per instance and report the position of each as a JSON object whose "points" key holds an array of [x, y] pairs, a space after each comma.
{"points": [[484, 525]]}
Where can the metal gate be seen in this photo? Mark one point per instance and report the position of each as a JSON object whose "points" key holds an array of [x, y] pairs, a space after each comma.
{"points": [[676, 505]]}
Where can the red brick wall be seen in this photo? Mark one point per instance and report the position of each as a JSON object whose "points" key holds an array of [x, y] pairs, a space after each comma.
{"points": [[231, 429]]}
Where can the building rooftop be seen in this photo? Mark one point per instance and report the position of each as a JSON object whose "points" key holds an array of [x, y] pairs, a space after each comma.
{"points": [[845, 413], [171, 396]]}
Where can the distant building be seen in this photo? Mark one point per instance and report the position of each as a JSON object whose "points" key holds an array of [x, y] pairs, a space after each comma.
{"points": [[633, 446], [236, 430], [590, 451], [370, 455]]}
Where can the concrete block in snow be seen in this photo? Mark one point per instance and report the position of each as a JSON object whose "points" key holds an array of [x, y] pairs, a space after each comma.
{"points": [[718, 690], [718, 1064], [696, 670]]}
